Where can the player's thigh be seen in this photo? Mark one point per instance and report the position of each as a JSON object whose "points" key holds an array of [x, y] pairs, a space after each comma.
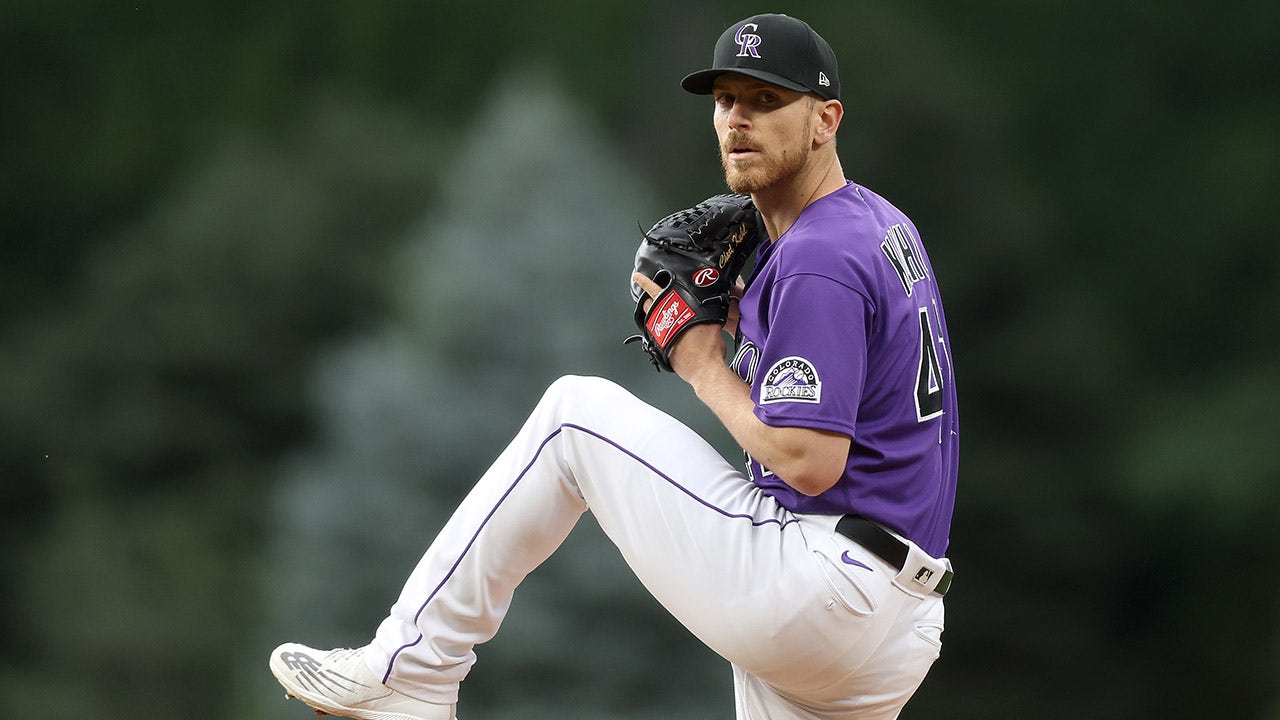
{"points": [[701, 537]]}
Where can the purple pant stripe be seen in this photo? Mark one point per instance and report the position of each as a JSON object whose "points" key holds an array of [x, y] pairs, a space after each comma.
{"points": [[537, 454]]}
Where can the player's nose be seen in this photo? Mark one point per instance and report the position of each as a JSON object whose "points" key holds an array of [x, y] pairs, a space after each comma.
{"points": [[739, 116]]}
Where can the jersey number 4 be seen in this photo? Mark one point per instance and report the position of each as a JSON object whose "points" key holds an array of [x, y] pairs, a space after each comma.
{"points": [[929, 381]]}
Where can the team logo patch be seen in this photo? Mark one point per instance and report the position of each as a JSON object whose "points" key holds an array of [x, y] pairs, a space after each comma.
{"points": [[791, 379]]}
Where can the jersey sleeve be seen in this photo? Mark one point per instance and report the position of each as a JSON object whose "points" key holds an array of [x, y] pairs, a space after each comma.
{"points": [[813, 365]]}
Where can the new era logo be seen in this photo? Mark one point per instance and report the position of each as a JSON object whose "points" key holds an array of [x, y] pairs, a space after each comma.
{"points": [[822, 79]]}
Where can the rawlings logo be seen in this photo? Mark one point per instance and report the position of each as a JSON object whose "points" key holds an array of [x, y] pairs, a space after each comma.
{"points": [[665, 320], [706, 276]]}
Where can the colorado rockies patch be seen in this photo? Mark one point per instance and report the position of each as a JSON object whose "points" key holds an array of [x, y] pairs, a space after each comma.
{"points": [[791, 379]]}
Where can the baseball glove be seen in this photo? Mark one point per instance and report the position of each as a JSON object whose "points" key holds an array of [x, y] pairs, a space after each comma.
{"points": [[694, 255]]}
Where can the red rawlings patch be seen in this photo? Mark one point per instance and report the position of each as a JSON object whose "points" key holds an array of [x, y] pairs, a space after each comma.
{"points": [[667, 318], [706, 276]]}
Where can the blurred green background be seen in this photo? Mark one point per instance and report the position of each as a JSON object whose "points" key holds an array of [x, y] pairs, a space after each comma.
{"points": [[279, 279]]}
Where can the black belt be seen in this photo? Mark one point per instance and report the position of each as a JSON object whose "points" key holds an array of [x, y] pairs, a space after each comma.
{"points": [[887, 548]]}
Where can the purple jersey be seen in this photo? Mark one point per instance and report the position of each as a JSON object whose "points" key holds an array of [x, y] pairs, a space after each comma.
{"points": [[842, 329]]}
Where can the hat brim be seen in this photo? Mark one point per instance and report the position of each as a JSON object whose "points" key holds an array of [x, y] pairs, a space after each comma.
{"points": [[702, 82]]}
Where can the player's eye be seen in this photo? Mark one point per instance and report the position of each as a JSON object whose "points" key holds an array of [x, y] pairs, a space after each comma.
{"points": [[724, 101]]}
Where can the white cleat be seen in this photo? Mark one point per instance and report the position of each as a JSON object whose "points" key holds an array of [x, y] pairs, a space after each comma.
{"points": [[337, 682]]}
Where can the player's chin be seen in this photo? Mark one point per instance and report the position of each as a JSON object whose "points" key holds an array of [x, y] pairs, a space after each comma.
{"points": [[748, 176], [742, 182]]}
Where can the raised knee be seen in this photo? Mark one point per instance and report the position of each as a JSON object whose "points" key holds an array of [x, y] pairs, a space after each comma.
{"points": [[577, 396], [570, 397], [580, 385]]}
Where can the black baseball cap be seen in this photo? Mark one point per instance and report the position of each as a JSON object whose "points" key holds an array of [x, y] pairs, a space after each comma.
{"points": [[778, 49]]}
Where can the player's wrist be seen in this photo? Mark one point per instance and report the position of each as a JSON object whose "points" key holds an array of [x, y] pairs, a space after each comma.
{"points": [[711, 378], [699, 354]]}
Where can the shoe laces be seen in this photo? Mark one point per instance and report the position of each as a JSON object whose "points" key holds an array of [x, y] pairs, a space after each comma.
{"points": [[343, 653]]}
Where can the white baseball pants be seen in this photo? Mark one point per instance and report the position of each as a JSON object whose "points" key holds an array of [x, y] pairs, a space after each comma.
{"points": [[809, 635]]}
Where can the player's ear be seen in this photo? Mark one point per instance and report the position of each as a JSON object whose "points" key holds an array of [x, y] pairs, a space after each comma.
{"points": [[828, 114]]}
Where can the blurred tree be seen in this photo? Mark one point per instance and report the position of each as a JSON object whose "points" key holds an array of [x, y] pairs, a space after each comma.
{"points": [[140, 421]]}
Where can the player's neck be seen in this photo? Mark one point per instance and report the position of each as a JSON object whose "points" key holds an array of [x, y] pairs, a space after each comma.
{"points": [[781, 205]]}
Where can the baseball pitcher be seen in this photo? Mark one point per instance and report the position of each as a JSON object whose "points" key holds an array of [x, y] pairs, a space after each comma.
{"points": [[817, 567]]}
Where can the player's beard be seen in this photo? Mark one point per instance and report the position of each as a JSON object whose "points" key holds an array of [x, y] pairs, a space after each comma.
{"points": [[769, 168]]}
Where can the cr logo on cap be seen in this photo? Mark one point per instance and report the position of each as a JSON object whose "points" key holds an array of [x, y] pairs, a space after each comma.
{"points": [[747, 41]]}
